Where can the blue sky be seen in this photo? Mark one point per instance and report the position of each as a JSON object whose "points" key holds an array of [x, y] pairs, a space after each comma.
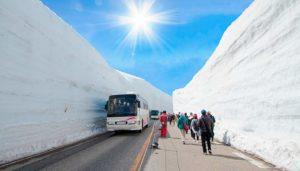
{"points": [[194, 31]]}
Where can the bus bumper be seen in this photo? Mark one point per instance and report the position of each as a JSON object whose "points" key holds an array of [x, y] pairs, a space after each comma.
{"points": [[123, 127], [154, 117]]}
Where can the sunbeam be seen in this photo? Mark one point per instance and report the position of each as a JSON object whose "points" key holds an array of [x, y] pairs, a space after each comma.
{"points": [[141, 20]]}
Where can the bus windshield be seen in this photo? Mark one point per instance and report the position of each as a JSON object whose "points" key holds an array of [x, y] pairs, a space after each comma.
{"points": [[154, 112], [124, 105]]}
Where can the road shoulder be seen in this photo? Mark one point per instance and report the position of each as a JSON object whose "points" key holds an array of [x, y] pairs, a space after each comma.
{"points": [[173, 155]]}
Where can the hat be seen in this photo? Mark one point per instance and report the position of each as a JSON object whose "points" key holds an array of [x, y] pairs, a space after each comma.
{"points": [[203, 112]]}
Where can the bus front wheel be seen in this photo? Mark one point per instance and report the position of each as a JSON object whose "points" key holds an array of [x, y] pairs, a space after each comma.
{"points": [[147, 123], [142, 126]]}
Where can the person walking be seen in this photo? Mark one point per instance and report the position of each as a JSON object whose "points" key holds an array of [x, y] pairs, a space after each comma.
{"points": [[212, 125], [205, 127], [190, 118], [163, 120], [170, 117], [182, 125], [195, 128], [187, 119], [173, 119]]}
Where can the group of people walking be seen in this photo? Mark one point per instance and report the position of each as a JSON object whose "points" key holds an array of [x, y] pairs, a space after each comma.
{"points": [[199, 127]]}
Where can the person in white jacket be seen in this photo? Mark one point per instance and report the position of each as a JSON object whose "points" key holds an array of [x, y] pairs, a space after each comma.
{"points": [[195, 129]]}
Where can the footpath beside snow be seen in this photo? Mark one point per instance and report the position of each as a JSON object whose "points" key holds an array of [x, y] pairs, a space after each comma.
{"points": [[54, 84], [252, 84]]}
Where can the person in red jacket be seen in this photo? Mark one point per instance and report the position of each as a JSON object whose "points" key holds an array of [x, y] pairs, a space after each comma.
{"points": [[163, 120]]}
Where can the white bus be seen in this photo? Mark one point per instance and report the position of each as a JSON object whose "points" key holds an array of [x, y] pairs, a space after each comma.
{"points": [[127, 112]]}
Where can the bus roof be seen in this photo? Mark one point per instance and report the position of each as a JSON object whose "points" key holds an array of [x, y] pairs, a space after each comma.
{"points": [[132, 95], [120, 95]]}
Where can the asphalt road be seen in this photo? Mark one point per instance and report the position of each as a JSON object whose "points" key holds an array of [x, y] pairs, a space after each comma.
{"points": [[116, 152]]}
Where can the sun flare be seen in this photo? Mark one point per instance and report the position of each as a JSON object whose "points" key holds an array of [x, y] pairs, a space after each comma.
{"points": [[141, 20]]}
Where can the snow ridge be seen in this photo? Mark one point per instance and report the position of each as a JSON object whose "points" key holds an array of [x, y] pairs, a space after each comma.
{"points": [[251, 83], [54, 84]]}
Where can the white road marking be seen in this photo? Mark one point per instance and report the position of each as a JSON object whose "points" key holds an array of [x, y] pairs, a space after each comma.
{"points": [[257, 163]]}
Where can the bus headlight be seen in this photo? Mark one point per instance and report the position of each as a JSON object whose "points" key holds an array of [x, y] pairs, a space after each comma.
{"points": [[131, 122], [110, 123]]}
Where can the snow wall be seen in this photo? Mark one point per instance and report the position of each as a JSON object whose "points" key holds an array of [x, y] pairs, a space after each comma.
{"points": [[54, 84], [252, 83]]}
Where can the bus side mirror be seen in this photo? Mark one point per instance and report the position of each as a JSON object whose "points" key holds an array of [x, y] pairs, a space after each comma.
{"points": [[139, 104], [106, 105]]}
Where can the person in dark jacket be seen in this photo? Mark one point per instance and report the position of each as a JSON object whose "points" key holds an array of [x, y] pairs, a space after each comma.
{"points": [[212, 125], [205, 127]]}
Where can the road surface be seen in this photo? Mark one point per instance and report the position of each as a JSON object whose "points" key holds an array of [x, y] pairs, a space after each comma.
{"points": [[116, 152]]}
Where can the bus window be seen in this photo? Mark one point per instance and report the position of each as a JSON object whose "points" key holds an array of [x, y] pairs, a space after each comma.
{"points": [[121, 106]]}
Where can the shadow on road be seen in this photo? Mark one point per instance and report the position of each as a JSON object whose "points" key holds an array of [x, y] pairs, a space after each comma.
{"points": [[221, 144], [132, 133], [127, 133], [192, 143], [228, 157]]}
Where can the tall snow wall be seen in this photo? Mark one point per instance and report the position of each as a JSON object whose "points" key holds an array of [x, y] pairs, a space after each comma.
{"points": [[53, 84], [252, 83]]}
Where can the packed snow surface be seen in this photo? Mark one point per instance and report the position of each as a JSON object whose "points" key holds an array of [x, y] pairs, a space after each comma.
{"points": [[53, 83], [252, 83]]}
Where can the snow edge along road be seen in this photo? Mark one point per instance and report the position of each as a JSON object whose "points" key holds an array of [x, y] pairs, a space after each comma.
{"points": [[35, 158]]}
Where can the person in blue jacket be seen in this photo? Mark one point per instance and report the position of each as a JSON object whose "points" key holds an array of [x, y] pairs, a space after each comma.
{"points": [[182, 124]]}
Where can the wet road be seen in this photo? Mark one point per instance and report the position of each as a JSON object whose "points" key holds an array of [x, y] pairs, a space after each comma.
{"points": [[116, 152]]}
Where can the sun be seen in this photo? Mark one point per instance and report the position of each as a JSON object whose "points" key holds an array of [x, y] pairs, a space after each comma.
{"points": [[141, 19]]}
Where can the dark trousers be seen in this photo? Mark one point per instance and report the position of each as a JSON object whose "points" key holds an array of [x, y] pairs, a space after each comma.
{"points": [[205, 138], [194, 135], [213, 134]]}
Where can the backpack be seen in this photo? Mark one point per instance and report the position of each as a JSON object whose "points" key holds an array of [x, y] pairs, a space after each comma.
{"points": [[201, 124], [204, 125], [208, 124]]}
